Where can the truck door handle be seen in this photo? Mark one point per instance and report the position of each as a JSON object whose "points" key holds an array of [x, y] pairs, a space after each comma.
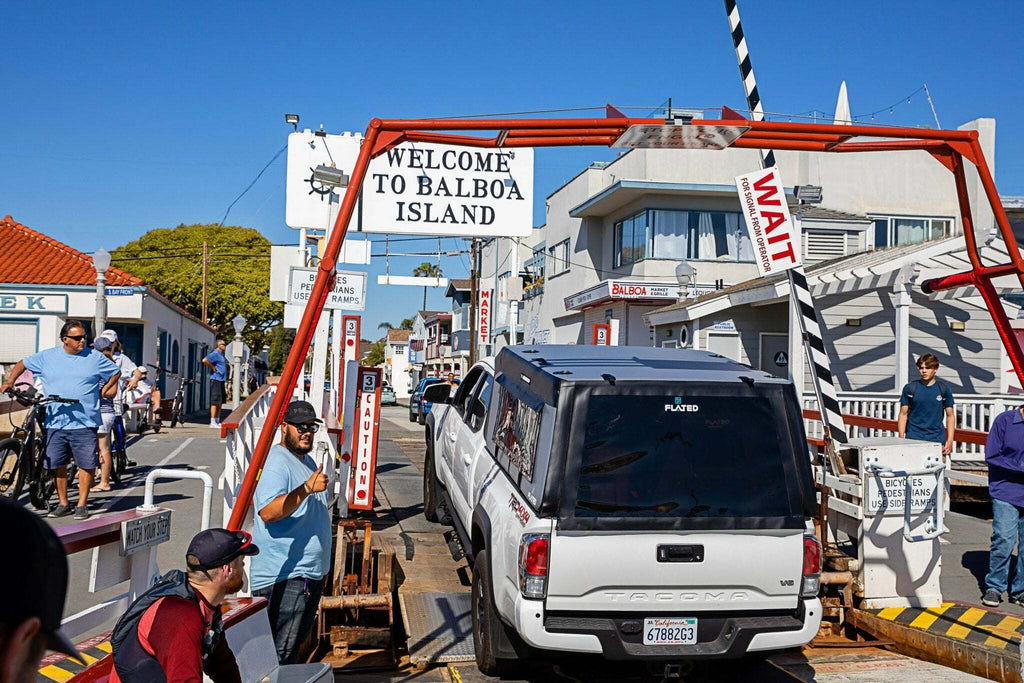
{"points": [[680, 553], [451, 436], [467, 458]]}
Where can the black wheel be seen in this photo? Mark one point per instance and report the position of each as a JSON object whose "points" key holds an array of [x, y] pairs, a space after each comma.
{"points": [[421, 419], [487, 626], [412, 416], [13, 469], [431, 488], [175, 413], [40, 490]]}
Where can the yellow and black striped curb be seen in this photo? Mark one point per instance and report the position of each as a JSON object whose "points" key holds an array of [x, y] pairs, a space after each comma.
{"points": [[969, 623], [61, 668]]}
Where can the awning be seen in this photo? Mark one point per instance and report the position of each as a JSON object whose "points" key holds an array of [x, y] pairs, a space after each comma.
{"points": [[623, 290]]}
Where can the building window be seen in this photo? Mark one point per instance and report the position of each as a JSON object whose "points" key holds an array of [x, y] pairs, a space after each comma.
{"points": [[891, 231], [503, 285], [399, 350], [533, 283], [558, 256], [682, 235]]}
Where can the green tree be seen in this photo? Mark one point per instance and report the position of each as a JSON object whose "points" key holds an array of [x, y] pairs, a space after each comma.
{"points": [[426, 269], [280, 345], [376, 355], [238, 274], [406, 324]]}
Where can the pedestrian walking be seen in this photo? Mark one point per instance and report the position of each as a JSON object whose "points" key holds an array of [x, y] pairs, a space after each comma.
{"points": [[36, 577], [1004, 454], [71, 370], [293, 528], [173, 631], [108, 414], [924, 404], [218, 365]]}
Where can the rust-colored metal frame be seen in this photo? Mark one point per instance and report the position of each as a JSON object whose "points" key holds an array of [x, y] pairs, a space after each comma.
{"points": [[949, 147]]}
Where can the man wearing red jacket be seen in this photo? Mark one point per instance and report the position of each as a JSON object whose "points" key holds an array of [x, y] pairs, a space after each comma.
{"points": [[173, 631]]}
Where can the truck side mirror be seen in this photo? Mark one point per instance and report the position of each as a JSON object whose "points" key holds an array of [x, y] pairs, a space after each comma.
{"points": [[437, 393]]}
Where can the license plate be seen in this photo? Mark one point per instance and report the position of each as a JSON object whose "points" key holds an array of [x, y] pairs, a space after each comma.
{"points": [[670, 631]]}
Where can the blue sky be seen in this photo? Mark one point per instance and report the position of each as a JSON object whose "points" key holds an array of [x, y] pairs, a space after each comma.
{"points": [[123, 117]]}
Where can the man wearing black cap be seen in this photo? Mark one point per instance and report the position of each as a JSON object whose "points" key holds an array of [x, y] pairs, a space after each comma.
{"points": [[293, 527], [35, 576], [173, 632]]}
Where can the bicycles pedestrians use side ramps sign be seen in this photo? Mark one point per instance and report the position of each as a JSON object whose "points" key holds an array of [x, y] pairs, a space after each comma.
{"points": [[348, 294], [771, 230]]}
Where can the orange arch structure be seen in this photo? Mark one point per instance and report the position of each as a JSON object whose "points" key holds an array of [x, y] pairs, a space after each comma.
{"points": [[950, 148]]}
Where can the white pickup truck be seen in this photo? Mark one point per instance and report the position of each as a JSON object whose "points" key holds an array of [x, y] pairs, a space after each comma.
{"points": [[634, 503]]}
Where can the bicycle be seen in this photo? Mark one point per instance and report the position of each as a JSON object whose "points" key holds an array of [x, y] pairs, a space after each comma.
{"points": [[23, 454], [178, 403], [119, 442]]}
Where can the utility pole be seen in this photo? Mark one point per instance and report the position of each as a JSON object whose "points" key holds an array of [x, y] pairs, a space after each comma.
{"points": [[206, 259], [474, 287]]}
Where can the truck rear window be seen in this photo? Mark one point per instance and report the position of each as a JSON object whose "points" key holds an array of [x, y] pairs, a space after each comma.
{"points": [[691, 456]]}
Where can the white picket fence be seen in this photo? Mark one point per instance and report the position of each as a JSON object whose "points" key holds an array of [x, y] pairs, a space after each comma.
{"points": [[973, 411]]}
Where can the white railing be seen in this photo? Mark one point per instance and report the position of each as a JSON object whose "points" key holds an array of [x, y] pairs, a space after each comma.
{"points": [[973, 411], [241, 439]]}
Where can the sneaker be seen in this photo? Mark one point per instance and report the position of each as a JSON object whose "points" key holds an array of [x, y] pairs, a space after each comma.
{"points": [[992, 598], [1016, 600], [60, 511], [81, 513], [214, 423]]}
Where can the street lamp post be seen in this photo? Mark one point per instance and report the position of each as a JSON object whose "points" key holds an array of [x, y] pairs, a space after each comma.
{"points": [[238, 322], [101, 261]]}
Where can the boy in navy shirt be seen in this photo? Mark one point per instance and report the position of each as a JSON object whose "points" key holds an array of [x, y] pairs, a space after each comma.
{"points": [[923, 405]]}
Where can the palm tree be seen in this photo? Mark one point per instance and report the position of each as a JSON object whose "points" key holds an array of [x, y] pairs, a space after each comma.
{"points": [[406, 324], [426, 269], [386, 326]]}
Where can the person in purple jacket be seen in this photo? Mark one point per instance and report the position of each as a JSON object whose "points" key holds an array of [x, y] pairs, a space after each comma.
{"points": [[1004, 453]]}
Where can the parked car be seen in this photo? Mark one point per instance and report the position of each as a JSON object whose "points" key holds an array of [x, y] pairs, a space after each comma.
{"points": [[417, 413], [634, 503], [387, 395]]}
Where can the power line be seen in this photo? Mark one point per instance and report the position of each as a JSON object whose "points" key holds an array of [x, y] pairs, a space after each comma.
{"points": [[249, 187]]}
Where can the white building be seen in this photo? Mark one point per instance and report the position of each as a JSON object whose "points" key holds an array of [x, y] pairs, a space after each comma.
{"points": [[615, 233], [396, 362], [44, 283]]}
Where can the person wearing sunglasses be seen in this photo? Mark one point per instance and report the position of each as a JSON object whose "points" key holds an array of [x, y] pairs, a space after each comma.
{"points": [[71, 370], [173, 631], [293, 528]]}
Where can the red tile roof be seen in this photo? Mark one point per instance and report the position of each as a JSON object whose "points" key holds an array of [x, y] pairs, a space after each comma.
{"points": [[30, 257]]}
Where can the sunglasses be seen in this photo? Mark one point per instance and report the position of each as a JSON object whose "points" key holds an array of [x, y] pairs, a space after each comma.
{"points": [[76, 337], [310, 428]]}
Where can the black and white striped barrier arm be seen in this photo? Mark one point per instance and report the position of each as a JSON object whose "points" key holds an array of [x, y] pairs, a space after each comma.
{"points": [[799, 291]]}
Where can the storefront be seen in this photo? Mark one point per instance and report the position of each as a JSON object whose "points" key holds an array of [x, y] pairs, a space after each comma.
{"points": [[622, 306], [44, 283]]}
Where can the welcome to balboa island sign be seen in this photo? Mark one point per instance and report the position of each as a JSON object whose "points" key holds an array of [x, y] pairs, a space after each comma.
{"points": [[421, 188]]}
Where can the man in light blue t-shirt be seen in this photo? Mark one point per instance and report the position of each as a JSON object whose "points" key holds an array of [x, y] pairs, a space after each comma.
{"points": [[292, 527], [218, 365], [71, 371]]}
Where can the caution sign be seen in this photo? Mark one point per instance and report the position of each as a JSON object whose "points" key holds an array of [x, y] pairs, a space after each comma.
{"points": [[367, 424], [769, 225]]}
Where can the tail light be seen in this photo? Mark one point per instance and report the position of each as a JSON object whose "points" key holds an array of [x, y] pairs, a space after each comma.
{"points": [[812, 567], [533, 565]]}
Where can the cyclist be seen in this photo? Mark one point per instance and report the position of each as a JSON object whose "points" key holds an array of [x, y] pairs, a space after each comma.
{"points": [[72, 371], [148, 393]]}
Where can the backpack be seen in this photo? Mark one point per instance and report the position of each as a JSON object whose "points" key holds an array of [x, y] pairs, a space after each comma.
{"points": [[944, 391], [131, 661]]}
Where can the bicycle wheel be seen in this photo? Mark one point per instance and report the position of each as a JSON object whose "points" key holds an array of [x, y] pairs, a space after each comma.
{"points": [[175, 412], [118, 451], [12, 469]]}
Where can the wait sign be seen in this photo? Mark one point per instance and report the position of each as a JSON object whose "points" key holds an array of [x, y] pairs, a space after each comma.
{"points": [[771, 230]]}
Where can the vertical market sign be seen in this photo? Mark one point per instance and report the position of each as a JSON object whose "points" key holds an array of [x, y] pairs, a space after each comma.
{"points": [[483, 323], [430, 189], [769, 226]]}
